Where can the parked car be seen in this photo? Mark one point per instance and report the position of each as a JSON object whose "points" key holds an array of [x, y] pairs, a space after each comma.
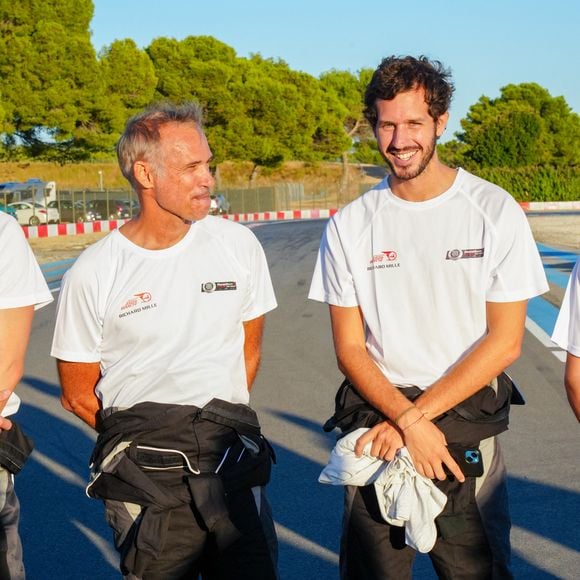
{"points": [[219, 205], [9, 210], [33, 214], [112, 209], [74, 212]]}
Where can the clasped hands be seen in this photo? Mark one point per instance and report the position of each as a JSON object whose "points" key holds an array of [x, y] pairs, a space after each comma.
{"points": [[425, 442]]}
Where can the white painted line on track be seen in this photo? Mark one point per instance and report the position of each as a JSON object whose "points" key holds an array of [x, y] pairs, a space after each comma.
{"points": [[305, 544], [539, 333], [59, 470], [560, 354], [543, 337], [534, 547], [103, 546]]}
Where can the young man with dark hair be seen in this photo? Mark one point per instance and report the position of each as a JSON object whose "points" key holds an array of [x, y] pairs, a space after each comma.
{"points": [[427, 276]]}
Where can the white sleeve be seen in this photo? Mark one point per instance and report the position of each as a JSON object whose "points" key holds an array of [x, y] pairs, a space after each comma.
{"points": [[518, 273], [261, 297], [567, 330], [21, 281], [79, 324], [332, 281]]}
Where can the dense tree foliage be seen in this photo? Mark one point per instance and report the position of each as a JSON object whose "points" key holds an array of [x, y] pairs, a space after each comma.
{"points": [[60, 100], [256, 109], [129, 79], [49, 71], [345, 95], [525, 126]]}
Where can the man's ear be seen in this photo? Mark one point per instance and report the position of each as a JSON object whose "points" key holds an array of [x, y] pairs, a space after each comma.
{"points": [[441, 123], [143, 174]]}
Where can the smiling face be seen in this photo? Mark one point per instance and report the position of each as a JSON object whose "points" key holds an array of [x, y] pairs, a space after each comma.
{"points": [[179, 178], [406, 133]]}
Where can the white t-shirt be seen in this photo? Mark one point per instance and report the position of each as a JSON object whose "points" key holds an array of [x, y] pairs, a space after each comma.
{"points": [[165, 325], [21, 281], [422, 272], [567, 330]]}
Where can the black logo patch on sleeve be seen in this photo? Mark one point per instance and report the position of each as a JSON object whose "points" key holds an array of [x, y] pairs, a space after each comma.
{"points": [[465, 254], [218, 286]]}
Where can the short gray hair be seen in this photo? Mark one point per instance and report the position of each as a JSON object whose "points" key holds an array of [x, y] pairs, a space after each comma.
{"points": [[141, 136]]}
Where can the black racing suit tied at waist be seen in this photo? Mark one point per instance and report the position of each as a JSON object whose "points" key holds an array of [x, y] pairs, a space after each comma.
{"points": [[197, 455], [482, 415], [15, 447]]}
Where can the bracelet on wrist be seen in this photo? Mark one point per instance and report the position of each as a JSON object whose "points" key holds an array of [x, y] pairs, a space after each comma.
{"points": [[402, 413], [413, 422]]}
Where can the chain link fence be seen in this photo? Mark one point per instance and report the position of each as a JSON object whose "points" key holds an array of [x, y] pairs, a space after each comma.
{"points": [[88, 205]]}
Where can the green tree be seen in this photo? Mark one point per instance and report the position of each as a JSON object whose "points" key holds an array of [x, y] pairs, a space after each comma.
{"points": [[49, 72], [513, 139], [127, 84], [289, 108], [256, 109], [183, 75], [452, 153], [524, 126], [345, 93]]}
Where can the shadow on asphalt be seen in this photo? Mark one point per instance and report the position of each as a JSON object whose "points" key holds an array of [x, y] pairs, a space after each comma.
{"points": [[62, 529], [546, 511], [314, 511], [60, 525]]}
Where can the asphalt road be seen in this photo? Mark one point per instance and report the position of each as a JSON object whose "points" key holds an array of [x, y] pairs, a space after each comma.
{"points": [[64, 532]]}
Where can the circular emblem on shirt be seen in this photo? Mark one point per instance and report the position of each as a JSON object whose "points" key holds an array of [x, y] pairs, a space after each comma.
{"points": [[454, 254], [209, 287]]}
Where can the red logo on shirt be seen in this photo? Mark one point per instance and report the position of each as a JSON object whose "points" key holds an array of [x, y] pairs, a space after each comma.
{"points": [[385, 256], [137, 298]]}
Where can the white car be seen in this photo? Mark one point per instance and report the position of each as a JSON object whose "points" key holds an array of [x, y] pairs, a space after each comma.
{"points": [[33, 214]]}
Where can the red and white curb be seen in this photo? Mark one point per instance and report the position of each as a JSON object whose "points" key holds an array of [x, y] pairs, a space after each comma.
{"points": [[51, 230], [550, 205]]}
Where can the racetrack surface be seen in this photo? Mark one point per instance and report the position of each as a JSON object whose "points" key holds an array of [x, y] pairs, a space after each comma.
{"points": [[64, 532]]}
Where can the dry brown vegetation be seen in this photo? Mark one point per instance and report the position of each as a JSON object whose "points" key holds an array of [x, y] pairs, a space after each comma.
{"points": [[70, 176], [316, 177]]}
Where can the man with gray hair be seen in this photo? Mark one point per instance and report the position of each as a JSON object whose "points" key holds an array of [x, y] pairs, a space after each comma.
{"points": [[158, 340]]}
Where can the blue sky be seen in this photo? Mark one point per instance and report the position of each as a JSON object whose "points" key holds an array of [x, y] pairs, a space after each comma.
{"points": [[486, 44]]}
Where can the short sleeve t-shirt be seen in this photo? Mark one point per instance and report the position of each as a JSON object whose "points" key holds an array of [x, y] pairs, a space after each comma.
{"points": [[21, 281], [567, 330], [423, 272], [165, 325]]}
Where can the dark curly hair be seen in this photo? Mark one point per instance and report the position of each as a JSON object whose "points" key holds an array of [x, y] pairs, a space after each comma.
{"points": [[400, 74]]}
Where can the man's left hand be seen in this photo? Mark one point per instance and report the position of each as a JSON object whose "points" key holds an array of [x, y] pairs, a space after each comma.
{"points": [[386, 441]]}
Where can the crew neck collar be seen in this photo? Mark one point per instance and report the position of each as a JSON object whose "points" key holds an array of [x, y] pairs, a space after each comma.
{"points": [[429, 203], [163, 252]]}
